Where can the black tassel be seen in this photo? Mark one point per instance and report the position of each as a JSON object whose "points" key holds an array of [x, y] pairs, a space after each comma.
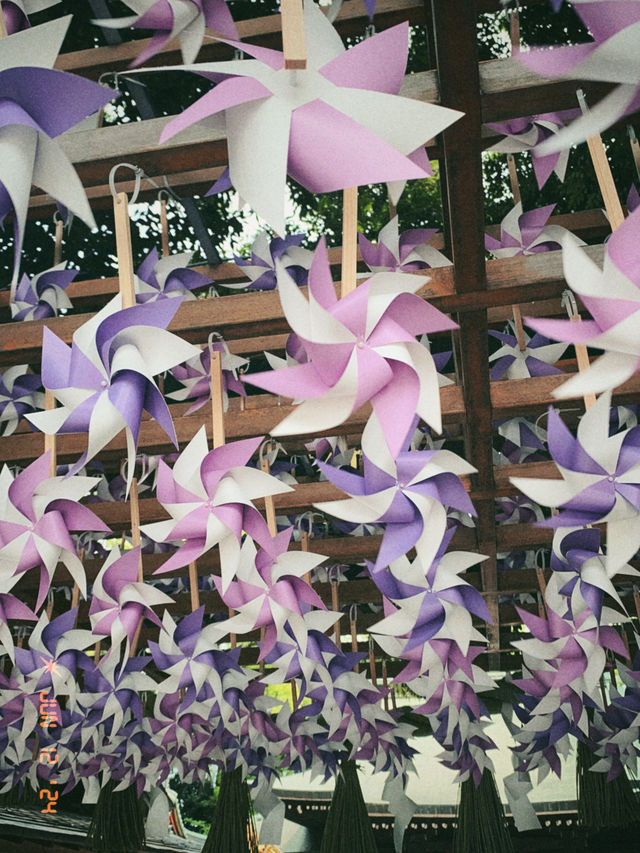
{"points": [[348, 827], [117, 825], [482, 827], [232, 829], [602, 804]]}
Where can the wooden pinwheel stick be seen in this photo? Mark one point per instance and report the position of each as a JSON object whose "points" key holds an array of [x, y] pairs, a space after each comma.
{"points": [[335, 606], [3, 23], [582, 355], [164, 227], [294, 42], [57, 246], [513, 178], [603, 173], [349, 240]]}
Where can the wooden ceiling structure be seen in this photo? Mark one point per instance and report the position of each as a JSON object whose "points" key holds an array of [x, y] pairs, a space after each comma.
{"points": [[478, 293]]}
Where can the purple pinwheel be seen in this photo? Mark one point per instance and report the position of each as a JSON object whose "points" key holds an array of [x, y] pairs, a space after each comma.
{"points": [[406, 494], [269, 592], [612, 296], [16, 12], [36, 514], [612, 57], [119, 601], [55, 655], [633, 198], [536, 359], [524, 134], [29, 119], [105, 379], [159, 278], [20, 394], [261, 268], [281, 122], [336, 5], [523, 440], [404, 252], [600, 480], [361, 347], [185, 20], [195, 376], [43, 295], [12, 608], [113, 693], [209, 497], [526, 233]]}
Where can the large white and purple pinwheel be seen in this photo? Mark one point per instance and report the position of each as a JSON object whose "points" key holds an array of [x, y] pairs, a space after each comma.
{"points": [[611, 57], [265, 251], [157, 278], [36, 514], [42, 295], [194, 376], [30, 116], [104, 381], [20, 393], [280, 121], [16, 12], [536, 359], [600, 480], [119, 601], [360, 348], [406, 252], [209, 496], [612, 296], [524, 134], [528, 232], [186, 20], [408, 494], [270, 592]]}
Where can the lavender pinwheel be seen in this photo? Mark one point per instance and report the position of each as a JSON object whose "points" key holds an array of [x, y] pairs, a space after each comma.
{"points": [[158, 278], [185, 20], [30, 116], [361, 347], [105, 379], [612, 57], [526, 233], [209, 496], [36, 514], [612, 296], [113, 694], [119, 601], [261, 268], [281, 122], [536, 359], [404, 252], [269, 592], [524, 134], [43, 295], [600, 480], [406, 494], [16, 12], [195, 376], [20, 394], [523, 439], [12, 608]]}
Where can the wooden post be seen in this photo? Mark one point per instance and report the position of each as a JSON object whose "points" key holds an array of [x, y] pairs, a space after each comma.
{"points": [[164, 227], [349, 240], [217, 398], [57, 247], [514, 30], [603, 173], [513, 178], [293, 36]]}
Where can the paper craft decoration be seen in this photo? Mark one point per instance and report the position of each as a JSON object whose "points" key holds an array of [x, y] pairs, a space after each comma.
{"points": [[119, 601], [261, 268], [612, 296], [209, 496], [361, 347], [281, 121], [195, 376], [406, 494], [269, 592], [336, 5], [157, 277], [113, 694], [16, 12], [525, 134], [30, 116], [185, 20], [600, 480], [104, 381], [404, 252], [43, 295], [525, 233], [12, 608], [537, 359], [20, 392], [611, 58], [37, 513]]}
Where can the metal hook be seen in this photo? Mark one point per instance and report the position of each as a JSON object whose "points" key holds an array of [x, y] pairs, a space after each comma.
{"points": [[569, 303], [139, 174]]}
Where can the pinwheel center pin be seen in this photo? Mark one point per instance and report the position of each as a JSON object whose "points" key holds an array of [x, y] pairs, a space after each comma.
{"points": [[360, 343]]}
